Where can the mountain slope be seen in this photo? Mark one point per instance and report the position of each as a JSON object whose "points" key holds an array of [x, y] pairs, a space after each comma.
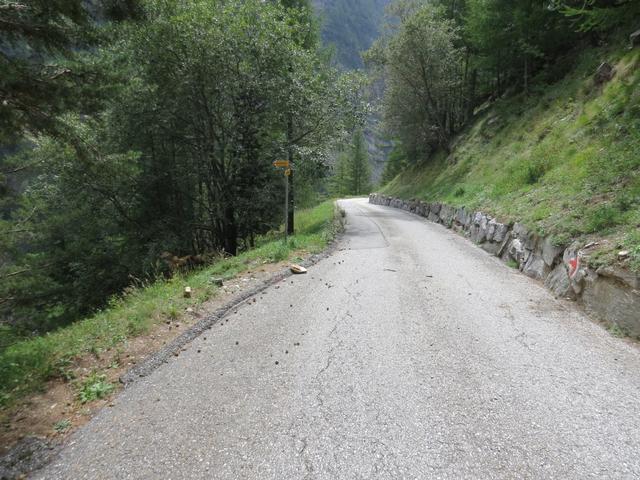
{"points": [[563, 160], [351, 26]]}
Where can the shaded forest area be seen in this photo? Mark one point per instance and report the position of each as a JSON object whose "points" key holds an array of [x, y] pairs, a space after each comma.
{"points": [[443, 61], [134, 133]]}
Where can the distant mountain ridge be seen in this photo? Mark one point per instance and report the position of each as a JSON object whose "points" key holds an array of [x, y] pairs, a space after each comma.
{"points": [[351, 26]]}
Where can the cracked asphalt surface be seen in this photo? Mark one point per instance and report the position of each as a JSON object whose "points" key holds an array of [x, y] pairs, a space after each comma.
{"points": [[408, 353]]}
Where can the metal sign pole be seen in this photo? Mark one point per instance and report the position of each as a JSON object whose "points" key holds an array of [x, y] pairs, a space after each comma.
{"points": [[287, 166], [286, 208]]}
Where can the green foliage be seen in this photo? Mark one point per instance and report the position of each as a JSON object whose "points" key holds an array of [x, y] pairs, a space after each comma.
{"points": [[459, 192], [352, 175], [632, 243], [423, 69], [564, 161], [69, 247], [599, 15], [94, 387], [396, 163], [62, 426], [200, 98], [440, 59], [33, 92], [26, 365], [533, 172], [601, 218], [513, 39], [617, 331], [42, 69]]}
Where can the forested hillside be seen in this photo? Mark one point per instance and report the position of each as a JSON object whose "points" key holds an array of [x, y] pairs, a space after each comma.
{"points": [[351, 26], [137, 133], [529, 112]]}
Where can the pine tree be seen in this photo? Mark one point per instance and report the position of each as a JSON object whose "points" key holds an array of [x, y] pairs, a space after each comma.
{"points": [[40, 43], [359, 169]]}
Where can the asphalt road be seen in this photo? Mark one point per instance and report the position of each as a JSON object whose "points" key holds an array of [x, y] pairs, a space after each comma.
{"points": [[409, 353]]}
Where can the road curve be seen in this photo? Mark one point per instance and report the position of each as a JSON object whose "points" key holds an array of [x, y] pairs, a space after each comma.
{"points": [[409, 353]]}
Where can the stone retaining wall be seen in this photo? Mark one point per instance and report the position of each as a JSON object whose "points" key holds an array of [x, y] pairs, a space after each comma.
{"points": [[611, 294]]}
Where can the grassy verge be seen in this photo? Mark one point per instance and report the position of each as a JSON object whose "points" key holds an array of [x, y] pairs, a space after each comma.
{"points": [[564, 160], [26, 366]]}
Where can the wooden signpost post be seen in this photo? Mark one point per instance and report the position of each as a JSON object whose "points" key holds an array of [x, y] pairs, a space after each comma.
{"points": [[285, 164]]}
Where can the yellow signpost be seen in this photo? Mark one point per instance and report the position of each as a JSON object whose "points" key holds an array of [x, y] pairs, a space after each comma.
{"points": [[281, 164]]}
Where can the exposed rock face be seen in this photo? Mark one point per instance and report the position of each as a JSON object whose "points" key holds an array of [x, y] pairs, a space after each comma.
{"points": [[446, 215], [608, 299], [611, 294], [621, 275], [559, 283]]}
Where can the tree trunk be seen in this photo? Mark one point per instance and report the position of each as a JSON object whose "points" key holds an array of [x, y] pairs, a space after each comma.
{"points": [[230, 231], [291, 212], [526, 74], [291, 216], [471, 101]]}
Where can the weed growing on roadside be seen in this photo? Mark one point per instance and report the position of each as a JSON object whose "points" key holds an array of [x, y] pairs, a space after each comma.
{"points": [[94, 387], [62, 426], [601, 218], [63, 370], [632, 243], [618, 332], [172, 312]]}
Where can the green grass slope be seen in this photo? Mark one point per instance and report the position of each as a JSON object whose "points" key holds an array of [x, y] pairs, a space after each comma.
{"points": [[564, 160], [27, 365]]}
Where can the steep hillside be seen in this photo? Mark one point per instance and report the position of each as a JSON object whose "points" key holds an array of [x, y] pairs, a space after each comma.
{"points": [[351, 26], [564, 160]]}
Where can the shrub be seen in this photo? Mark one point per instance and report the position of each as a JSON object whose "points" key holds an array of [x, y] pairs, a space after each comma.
{"points": [[94, 388], [601, 218]]}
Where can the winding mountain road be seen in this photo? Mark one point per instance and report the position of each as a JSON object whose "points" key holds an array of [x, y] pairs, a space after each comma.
{"points": [[407, 354]]}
